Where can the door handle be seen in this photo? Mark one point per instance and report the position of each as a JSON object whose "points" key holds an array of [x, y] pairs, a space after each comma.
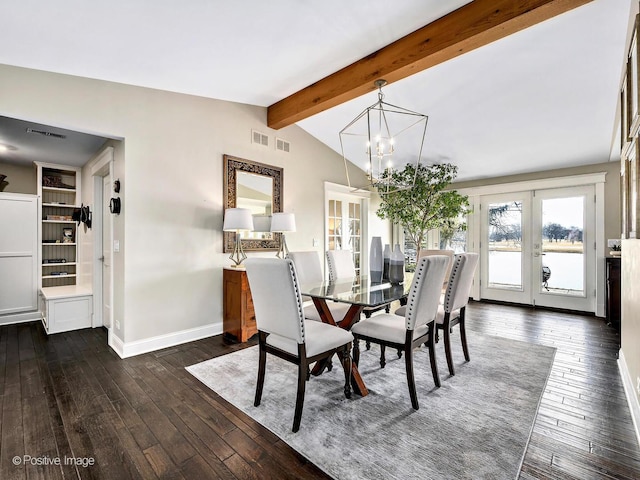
{"points": [[101, 258]]}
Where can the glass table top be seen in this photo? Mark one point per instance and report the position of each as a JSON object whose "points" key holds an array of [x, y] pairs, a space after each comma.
{"points": [[358, 291]]}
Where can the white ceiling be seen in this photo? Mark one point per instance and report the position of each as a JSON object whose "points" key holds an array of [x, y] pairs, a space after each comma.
{"points": [[540, 99]]}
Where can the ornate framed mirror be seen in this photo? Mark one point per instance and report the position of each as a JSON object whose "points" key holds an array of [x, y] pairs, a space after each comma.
{"points": [[258, 187]]}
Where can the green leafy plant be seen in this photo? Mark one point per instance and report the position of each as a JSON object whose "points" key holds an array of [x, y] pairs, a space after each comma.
{"points": [[424, 206]]}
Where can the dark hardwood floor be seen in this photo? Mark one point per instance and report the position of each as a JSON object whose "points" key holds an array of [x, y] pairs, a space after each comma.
{"points": [[68, 396]]}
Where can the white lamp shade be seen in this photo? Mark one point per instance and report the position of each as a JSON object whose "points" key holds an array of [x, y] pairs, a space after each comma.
{"points": [[237, 219], [283, 222], [262, 223]]}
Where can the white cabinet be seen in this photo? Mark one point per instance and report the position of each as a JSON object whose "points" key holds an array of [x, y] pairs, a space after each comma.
{"points": [[59, 192], [18, 253], [66, 308]]}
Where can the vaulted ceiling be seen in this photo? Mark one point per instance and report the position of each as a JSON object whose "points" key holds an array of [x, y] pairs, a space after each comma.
{"points": [[541, 98]]}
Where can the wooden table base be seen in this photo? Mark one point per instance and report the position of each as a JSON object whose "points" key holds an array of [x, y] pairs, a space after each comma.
{"points": [[352, 315]]}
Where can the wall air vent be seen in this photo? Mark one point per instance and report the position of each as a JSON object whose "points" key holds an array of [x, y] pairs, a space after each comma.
{"points": [[259, 138], [44, 133], [283, 145]]}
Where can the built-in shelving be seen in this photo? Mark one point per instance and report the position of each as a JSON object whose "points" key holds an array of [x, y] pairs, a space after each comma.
{"points": [[59, 192]]}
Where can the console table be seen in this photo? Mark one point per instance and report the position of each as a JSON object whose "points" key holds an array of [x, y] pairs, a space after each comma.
{"points": [[239, 317]]}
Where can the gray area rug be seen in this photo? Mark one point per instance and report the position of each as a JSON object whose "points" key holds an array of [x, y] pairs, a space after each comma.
{"points": [[477, 425]]}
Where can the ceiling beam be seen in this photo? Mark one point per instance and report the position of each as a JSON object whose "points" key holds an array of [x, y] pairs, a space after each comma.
{"points": [[471, 26]]}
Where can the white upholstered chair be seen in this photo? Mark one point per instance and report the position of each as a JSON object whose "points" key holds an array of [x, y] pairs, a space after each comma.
{"points": [[452, 311], [449, 253], [283, 330], [417, 327], [424, 253], [341, 267], [309, 270]]}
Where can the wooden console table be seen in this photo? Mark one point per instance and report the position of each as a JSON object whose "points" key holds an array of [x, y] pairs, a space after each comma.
{"points": [[239, 317]]}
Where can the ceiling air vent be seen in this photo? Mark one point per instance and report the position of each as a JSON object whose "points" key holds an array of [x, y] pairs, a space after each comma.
{"points": [[283, 145], [259, 138], [44, 133]]}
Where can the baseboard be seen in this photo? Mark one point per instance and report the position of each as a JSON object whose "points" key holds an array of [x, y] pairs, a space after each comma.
{"points": [[116, 344], [130, 349], [23, 317], [629, 390]]}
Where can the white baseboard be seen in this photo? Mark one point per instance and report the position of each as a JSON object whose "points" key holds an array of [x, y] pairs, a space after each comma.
{"points": [[11, 318], [630, 391], [130, 349], [116, 344]]}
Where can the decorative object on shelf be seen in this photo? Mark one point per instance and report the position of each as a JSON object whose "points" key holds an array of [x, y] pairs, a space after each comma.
{"points": [[396, 266], [379, 134], [280, 223], [616, 247], [386, 255], [55, 181], [376, 260], [67, 235], [237, 220]]}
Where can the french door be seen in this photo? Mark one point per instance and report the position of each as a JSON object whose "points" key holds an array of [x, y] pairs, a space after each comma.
{"points": [[538, 248], [344, 226]]}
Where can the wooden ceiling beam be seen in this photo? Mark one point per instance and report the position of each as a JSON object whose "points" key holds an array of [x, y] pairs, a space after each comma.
{"points": [[471, 26]]}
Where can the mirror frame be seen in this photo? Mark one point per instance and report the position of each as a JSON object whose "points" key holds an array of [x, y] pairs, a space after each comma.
{"points": [[232, 165]]}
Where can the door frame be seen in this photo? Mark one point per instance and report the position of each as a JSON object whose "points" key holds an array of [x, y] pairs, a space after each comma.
{"points": [[580, 302], [474, 221], [522, 295], [103, 167], [364, 196]]}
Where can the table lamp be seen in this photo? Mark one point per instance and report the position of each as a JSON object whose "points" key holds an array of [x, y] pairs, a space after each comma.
{"points": [[237, 220], [283, 222]]}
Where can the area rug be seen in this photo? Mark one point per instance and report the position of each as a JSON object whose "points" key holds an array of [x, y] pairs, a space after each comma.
{"points": [[477, 425]]}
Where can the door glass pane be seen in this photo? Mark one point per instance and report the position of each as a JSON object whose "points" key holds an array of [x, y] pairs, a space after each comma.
{"points": [[505, 245], [454, 237], [562, 246], [354, 234]]}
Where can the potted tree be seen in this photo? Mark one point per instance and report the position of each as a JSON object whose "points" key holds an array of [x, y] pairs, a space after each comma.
{"points": [[426, 205]]}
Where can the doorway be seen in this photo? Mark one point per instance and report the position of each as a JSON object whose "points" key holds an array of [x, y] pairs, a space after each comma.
{"points": [[538, 247], [102, 174], [346, 223]]}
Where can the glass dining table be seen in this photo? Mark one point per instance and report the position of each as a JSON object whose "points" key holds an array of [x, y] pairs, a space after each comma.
{"points": [[358, 293]]}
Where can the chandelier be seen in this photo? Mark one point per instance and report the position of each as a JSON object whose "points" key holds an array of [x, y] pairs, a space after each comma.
{"points": [[382, 139]]}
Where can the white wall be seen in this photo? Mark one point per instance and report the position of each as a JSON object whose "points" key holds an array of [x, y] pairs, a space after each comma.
{"points": [[168, 275]]}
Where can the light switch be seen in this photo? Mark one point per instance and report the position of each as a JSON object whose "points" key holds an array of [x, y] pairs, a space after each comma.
{"points": [[315, 242], [116, 245]]}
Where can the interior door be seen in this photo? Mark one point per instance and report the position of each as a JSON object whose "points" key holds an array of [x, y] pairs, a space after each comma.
{"points": [[106, 253], [564, 252], [505, 247]]}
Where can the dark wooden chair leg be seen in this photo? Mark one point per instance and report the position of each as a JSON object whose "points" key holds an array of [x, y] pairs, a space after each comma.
{"points": [[411, 382], [387, 309], [262, 363], [399, 353], [447, 343], [383, 360], [368, 345], [367, 314], [302, 381], [356, 351], [432, 355], [463, 335], [346, 365]]}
